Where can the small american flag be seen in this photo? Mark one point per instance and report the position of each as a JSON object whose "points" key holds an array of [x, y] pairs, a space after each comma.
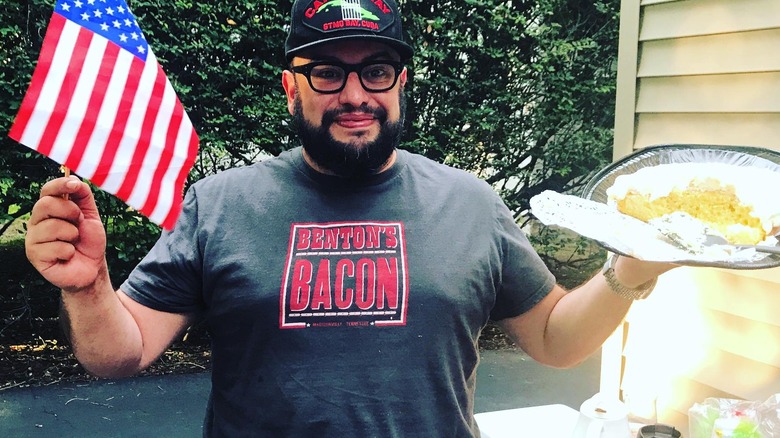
{"points": [[100, 104]]}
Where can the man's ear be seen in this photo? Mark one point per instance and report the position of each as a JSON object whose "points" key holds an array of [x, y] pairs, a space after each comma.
{"points": [[402, 77], [290, 90]]}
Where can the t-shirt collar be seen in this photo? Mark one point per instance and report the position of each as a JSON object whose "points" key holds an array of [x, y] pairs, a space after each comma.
{"points": [[341, 182]]}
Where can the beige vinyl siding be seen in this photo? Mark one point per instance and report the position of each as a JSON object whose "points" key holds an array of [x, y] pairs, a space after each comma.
{"points": [[686, 91], [713, 128], [686, 18], [653, 2], [712, 54], [704, 332], [755, 379], [729, 93], [702, 62], [701, 72], [732, 329]]}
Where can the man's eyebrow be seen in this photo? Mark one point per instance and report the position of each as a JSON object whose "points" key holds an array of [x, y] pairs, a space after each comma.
{"points": [[384, 56]]}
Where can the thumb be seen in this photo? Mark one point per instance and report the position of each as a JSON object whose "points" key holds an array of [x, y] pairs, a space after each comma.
{"points": [[81, 194]]}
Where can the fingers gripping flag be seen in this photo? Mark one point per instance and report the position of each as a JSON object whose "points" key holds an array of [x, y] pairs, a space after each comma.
{"points": [[100, 104]]}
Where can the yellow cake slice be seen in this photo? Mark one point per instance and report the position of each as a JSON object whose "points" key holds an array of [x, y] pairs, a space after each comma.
{"points": [[733, 200]]}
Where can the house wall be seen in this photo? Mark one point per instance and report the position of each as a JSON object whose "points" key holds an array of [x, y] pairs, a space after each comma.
{"points": [[700, 72]]}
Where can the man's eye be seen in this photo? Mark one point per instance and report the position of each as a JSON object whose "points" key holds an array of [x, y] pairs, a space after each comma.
{"points": [[327, 73], [377, 71]]}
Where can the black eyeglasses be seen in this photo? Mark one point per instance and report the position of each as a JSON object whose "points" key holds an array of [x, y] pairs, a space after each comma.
{"points": [[329, 77]]}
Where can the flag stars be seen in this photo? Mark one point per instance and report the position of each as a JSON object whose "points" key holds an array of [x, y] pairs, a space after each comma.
{"points": [[111, 19]]}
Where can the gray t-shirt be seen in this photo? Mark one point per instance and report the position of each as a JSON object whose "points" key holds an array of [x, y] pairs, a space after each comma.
{"points": [[342, 308]]}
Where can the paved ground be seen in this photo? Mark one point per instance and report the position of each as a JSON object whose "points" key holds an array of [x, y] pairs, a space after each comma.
{"points": [[173, 406]]}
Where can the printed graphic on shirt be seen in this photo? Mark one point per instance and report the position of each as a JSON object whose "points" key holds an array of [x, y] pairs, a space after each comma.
{"points": [[345, 274]]}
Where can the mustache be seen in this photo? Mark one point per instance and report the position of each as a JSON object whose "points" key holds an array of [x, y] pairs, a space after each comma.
{"points": [[329, 116]]}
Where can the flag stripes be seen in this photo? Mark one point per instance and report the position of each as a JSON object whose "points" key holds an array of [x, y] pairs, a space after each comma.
{"points": [[59, 137], [111, 117], [38, 87], [97, 99]]}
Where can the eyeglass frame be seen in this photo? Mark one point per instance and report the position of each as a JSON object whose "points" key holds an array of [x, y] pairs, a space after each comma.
{"points": [[306, 69]]}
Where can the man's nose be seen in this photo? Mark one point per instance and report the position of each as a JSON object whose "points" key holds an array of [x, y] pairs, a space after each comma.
{"points": [[353, 92]]}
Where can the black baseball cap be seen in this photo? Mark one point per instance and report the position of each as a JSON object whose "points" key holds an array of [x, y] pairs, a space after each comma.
{"points": [[314, 22]]}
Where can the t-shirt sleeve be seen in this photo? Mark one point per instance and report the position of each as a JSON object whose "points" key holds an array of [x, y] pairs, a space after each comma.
{"points": [[525, 279], [168, 278]]}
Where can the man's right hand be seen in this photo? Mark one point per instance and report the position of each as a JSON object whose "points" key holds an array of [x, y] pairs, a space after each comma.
{"points": [[66, 241]]}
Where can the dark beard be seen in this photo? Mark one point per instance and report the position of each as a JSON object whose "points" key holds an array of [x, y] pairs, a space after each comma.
{"points": [[349, 160]]}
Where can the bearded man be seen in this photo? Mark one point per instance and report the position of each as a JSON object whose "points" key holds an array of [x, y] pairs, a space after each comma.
{"points": [[344, 283]]}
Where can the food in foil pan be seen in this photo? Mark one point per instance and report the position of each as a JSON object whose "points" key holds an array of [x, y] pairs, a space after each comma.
{"points": [[677, 237], [717, 198]]}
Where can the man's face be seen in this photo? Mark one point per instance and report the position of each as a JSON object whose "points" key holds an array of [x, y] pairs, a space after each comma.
{"points": [[353, 132]]}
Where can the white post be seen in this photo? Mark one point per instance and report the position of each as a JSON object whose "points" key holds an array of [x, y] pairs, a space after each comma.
{"points": [[612, 363]]}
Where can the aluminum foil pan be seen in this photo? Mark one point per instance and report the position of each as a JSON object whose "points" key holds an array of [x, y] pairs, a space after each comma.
{"points": [[588, 214]]}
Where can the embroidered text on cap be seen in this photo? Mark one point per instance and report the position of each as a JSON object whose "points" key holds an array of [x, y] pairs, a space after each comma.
{"points": [[335, 15]]}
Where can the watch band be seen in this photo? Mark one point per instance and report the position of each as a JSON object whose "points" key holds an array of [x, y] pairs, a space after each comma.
{"points": [[638, 293]]}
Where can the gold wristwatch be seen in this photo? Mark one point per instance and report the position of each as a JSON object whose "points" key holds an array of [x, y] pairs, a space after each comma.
{"points": [[638, 293]]}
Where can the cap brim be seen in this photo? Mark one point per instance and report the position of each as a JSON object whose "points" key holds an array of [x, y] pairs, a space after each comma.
{"points": [[405, 50]]}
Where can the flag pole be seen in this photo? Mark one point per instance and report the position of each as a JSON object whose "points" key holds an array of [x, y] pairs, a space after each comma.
{"points": [[65, 170]]}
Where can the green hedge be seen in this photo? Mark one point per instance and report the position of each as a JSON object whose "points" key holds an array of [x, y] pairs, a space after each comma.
{"points": [[24, 294]]}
